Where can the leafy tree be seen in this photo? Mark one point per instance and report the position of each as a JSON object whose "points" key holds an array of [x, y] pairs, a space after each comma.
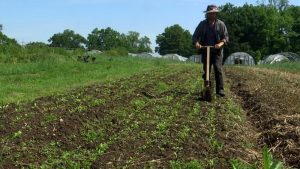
{"points": [[175, 40], [133, 41], [108, 39], [294, 34], [280, 5], [4, 40], [1, 27], [137, 44], [68, 39], [104, 39], [259, 30], [144, 45], [36, 44]]}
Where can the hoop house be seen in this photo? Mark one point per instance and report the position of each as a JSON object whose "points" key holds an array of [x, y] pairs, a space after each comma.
{"points": [[242, 58]]}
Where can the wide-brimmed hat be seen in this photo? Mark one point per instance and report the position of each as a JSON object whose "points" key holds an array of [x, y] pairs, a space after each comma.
{"points": [[211, 9]]}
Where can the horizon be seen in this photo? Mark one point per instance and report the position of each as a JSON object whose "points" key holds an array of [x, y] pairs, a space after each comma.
{"points": [[36, 20]]}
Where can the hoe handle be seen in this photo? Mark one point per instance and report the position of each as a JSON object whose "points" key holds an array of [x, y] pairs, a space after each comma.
{"points": [[207, 61]]}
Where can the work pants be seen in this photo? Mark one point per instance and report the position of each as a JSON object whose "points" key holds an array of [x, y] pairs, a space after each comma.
{"points": [[216, 60]]}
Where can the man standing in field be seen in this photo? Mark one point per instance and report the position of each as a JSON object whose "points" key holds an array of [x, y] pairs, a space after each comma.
{"points": [[212, 32]]}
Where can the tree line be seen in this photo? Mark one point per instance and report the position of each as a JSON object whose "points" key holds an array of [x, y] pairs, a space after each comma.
{"points": [[259, 30], [102, 39], [263, 29], [99, 39]]}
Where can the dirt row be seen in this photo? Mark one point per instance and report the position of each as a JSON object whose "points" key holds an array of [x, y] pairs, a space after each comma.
{"points": [[154, 119], [99, 119], [56, 119], [271, 99]]}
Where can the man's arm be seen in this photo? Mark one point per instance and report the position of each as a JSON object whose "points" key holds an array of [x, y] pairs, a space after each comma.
{"points": [[197, 34], [225, 37], [225, 34]]}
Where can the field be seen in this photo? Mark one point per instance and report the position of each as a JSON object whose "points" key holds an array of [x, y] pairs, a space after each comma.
{"points": [[155, 118]]}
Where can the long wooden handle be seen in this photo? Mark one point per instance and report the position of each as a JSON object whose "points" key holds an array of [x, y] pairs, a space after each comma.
{"points": [[207, 62]]}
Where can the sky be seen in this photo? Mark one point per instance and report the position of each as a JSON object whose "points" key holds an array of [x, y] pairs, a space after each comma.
{"points": [[38, 20]]}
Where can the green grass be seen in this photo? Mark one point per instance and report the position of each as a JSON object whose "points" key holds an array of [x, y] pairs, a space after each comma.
{"points": [[293, 67], [27, 81]]}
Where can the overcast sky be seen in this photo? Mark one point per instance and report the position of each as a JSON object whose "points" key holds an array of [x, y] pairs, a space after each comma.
{"points": [[38, 20]]}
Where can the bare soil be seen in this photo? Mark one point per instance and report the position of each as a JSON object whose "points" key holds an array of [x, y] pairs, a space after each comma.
{"points": [[272, 100], [155, 119]]}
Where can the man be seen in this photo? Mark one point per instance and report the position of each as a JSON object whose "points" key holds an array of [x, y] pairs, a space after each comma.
{"points": [[212, 32]]}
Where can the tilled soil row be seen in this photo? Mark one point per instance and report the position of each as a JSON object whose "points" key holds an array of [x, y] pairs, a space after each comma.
{"points": [[272, 101], [175, 126], [58, 118], [153, 119]]}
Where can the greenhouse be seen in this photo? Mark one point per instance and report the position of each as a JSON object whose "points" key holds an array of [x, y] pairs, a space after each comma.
{"points": [[240, 58], [145, 55], [195, 58], [281, 57], [174, 57]]}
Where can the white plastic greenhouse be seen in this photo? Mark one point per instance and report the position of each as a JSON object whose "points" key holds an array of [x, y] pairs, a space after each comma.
{"points": [[284, 56], [174, 57], [240, 58]]}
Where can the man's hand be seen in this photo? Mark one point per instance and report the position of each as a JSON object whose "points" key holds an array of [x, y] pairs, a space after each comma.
{"points": [[197, 45], [219, 45]]}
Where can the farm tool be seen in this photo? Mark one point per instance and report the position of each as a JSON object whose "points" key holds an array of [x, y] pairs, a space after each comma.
{"points": [[207, 93]]}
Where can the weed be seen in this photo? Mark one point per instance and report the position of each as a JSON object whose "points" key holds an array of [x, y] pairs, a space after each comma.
{"points": [[184, 132], [212, 162], [162, 87], [196, 110], [193, 164], [233, 108], [169, 98], [48, 118], [79, 109], [90, 135], [17, 134], [162, 126], [102, 148], [269, 162], [138, 104], [97, 102], [238, 164]]}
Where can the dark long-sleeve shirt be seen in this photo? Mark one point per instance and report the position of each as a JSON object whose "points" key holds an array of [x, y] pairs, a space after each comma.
{"points": [[201, 32]]}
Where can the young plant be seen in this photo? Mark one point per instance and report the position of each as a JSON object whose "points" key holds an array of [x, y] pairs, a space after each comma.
{"points": [[269, 162]]}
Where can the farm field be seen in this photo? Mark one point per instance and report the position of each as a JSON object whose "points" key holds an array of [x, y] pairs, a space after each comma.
{"points": [[27, 81], [156, 119], [271, 99]]}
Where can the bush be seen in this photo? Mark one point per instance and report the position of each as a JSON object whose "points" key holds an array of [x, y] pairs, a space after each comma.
{"points": [[116, 52], [33, 52]]}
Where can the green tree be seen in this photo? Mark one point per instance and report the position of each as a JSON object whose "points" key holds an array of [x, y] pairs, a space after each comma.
{"points": [[4, 40], [133, 41], [175, 40], [280, 5], [104, 39], [108, 39], [260, 30], [68, 39], [294, 34], [137, 44], [144, 45], [36, 44]]}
